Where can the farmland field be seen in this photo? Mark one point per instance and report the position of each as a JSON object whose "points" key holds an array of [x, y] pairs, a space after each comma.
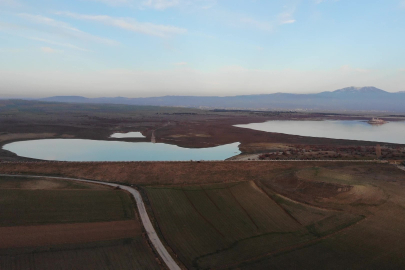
{"points": [[58, 224], [131, 253], [44, 183], [241, 215], [28, 207], [212, 226]]}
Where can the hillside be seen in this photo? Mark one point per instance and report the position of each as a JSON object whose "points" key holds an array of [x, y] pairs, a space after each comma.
{"points": [[346, 99]]}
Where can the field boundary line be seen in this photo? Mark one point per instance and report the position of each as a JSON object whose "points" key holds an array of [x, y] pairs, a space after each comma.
{"points": [[146, 222], [293, 247], [201, 215], [278, 204], [208, 196], [243, 208]]}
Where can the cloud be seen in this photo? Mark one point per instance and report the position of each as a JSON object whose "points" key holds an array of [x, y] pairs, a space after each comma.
{"points": [[349, 69], [10, 3], [180, 64], [231, 80], [130, 24], [265, 26], [322, 1], [160, 4], [50, 50], [402, 4], [112, 2], [286, 17], [65, 29], [10, 50], [67, 45], [287, 21]]}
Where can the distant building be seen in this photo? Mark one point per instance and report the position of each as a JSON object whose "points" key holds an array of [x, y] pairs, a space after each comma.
{"points": [[376, 121]]}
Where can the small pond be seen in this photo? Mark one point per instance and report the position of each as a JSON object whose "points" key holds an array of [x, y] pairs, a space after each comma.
{"points": [[92, 150], [392, 132], [127, 135]]}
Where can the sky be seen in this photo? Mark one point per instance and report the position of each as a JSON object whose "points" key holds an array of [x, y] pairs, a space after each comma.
{"points": [[143, 48]]}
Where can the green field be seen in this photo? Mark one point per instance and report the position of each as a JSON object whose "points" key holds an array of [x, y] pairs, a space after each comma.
{"points": [[41, 201], [7, 182], [214, 226], [110, 255], [46, 201]]}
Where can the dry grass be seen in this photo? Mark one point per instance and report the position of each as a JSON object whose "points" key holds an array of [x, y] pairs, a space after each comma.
{"points": [[29, 136], [174, 173], [45, 184]]}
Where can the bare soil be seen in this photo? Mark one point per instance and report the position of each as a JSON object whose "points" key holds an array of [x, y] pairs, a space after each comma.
{"points": [[44, 235]]}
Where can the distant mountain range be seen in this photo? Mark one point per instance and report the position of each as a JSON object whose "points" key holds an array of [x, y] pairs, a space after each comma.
{"points": [[346, 99]]}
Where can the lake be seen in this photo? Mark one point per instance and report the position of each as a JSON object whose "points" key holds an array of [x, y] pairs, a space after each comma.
{"points": [[392, 132], [127, 135], [92, 150]]}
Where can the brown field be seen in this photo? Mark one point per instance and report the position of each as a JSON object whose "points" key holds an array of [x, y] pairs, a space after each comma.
{"points": [[130, 253], [175, 173], [57, 234], [69, 234]]}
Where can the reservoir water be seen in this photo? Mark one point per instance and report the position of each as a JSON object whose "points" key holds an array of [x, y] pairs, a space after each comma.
{"points": [[91, 150], [392, 132], [127, 135]]}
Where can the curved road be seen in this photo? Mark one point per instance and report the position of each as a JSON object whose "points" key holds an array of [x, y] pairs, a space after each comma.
{"points": [[153, 237]]}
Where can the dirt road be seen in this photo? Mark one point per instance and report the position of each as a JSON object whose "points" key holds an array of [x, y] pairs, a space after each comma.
{"points": [[153, 237]]}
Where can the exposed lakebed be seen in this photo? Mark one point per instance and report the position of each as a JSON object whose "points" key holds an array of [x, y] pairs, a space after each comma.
{"points": [[92, 150], [392, 132]]}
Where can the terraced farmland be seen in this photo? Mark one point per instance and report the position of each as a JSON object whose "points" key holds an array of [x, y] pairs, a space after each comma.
{"points": [[213, 226]]}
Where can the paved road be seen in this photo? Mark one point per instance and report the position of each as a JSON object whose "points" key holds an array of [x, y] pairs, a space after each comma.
{"points": [[153, 237]]}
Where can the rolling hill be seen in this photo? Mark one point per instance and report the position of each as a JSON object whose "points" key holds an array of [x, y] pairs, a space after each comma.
{"points": [[346, 99]]}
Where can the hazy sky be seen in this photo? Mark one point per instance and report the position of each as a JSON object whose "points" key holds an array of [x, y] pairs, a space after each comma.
{"points": [[139, 48]]}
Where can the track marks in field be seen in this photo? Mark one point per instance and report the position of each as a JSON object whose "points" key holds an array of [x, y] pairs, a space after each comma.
{"points": [[201, 215], [129, 253], [281, 207], [191, 219], [244, 210], [209, 197]]}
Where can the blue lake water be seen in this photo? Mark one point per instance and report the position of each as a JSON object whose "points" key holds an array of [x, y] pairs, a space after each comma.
{"points": [[392, 132], [127, 135], [92, 150]]}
